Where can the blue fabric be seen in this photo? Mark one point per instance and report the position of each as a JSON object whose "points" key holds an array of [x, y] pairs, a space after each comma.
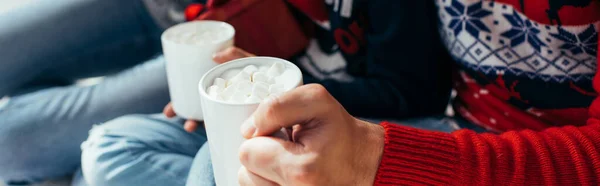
{"points": [[201, 171], [145, 150], [44, 47]]}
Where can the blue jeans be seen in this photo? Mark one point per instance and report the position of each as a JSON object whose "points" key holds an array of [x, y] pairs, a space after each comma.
{"points": [[44, 47], [153, 150], [145, 150]]}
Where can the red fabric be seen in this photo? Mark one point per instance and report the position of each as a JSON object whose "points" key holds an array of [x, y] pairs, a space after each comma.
{"points": [[314, 9], [488, 107], [193, 10], [566, 155], [263, 27], [555, 156], [571, 12]]}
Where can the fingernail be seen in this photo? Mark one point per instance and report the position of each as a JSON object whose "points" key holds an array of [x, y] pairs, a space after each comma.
{"points": [[248, 128]]}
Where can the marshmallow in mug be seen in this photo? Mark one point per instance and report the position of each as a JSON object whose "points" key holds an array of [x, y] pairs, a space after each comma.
{"points": [[197, 35], [251, 84]]}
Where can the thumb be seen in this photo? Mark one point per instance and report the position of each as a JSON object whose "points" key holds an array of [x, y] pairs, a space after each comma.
{"points": [[299, 106]]}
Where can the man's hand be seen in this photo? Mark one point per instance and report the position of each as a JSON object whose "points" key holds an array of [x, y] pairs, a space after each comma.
{"points": [[224, 56], [328, 147]]}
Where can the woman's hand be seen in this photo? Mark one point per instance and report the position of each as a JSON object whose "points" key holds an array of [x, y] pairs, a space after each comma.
{"points": [[231, 53], [328, 147], [189, 125]]}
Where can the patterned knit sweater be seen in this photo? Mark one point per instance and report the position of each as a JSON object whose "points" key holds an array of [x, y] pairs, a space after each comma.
{"points": [[526, 72]]}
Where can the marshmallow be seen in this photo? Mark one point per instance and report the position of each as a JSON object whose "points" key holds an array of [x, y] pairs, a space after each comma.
{"points": [[260, 90], [241, 76], [250, 69], [251, 84], [275, 70], [276, 88], [186, 37], [196, 36], [243, 86], [228, 92], [260, 77], [220, 82], [263, 69], [253, 99], [230, 73], [238, 97], [214, 91], [261, 85]]}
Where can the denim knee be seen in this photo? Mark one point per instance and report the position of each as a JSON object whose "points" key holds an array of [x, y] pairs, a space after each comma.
{"points": [[103, 153], [137, 149], [201, 172]]}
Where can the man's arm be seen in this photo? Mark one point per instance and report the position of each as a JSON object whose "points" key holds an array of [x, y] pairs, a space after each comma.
{"points": [[405, 74], [555, 156]]}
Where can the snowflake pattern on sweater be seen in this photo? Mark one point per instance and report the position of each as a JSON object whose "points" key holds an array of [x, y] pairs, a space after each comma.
{"points": [[516, 71], [491, 36]]}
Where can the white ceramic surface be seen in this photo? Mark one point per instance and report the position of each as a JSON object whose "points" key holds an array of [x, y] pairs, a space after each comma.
{"points": [[223, 119], [187, 60]]}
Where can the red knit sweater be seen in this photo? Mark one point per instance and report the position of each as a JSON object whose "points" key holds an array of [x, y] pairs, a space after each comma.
{"points": [[526, 70]]}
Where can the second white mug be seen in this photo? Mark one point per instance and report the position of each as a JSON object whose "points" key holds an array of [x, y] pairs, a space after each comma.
{"points": [[188, 49]]}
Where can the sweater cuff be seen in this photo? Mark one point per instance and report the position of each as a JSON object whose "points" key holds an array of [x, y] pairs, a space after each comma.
{"points": [[416, 157]]}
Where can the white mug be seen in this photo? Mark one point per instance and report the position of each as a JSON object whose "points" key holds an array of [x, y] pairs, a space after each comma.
{"points": [[189, 54], [223, 119]]}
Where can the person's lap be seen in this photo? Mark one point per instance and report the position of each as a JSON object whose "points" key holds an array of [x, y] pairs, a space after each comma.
{"points": [[140, 150]]}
